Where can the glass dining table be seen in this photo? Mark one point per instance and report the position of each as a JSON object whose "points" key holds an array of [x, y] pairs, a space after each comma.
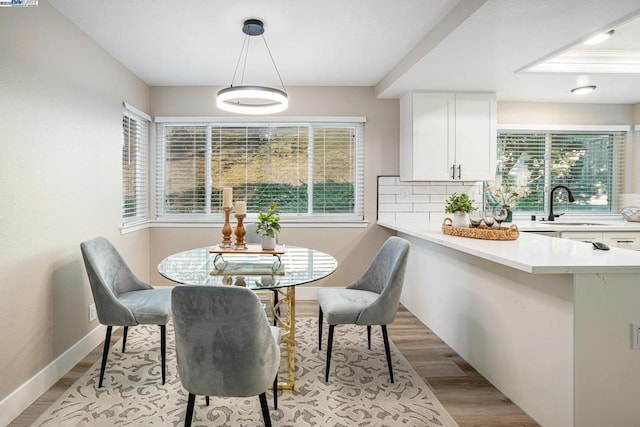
{"points": [[278, 272]]}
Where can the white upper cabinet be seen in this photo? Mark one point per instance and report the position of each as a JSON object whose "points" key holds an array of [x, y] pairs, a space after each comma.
{"points": [[448, 136]]}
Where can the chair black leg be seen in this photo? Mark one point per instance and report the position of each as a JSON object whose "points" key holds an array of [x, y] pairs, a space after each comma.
{"points": [[275, 393], [124, 338], [276, 299], [105, 352], [265, 410], [189, 415], [329, 346], [369, 337], [163, 349], [206, 399], [387, 351], [320, 328]]}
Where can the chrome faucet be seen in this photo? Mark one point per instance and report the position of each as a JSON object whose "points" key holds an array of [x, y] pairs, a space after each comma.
{"points": [[552, 217]]}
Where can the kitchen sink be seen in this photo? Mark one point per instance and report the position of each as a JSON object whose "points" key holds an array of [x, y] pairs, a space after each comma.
{"points": [[584, 224]]}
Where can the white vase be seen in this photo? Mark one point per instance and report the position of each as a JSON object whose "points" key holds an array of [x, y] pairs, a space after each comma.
{"points": [[460, 219], [268, 243]]}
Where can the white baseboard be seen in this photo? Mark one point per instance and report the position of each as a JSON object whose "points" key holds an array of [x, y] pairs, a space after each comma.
{"points": [[20, 399]]}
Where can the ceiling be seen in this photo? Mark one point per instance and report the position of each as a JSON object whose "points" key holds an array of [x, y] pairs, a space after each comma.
{"points": [[392, 45]]}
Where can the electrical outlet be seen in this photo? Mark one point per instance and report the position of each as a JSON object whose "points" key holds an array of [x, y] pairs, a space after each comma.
{"points": [[92, 313], [635, 335]]}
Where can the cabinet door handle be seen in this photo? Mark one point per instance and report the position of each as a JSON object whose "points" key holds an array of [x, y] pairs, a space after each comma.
{"points": [[453, 171], [625, 241], [459, 171]]}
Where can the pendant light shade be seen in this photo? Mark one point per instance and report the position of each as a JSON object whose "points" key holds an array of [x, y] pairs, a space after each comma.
{"points": [[252, 99]]}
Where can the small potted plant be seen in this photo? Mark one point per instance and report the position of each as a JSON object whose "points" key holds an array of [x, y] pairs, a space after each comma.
{"points": [[268, 227], [459, 205]]}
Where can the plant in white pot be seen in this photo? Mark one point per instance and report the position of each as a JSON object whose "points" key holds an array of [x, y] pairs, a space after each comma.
{"points": [[459, 205], [268, 227]]}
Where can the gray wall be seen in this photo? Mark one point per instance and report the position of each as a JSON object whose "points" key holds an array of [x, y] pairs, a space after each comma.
{"points": [[60, 169]]}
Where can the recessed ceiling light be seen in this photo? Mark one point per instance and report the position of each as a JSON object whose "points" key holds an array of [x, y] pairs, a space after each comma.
{"points": [[599, 38], [583, 90]]}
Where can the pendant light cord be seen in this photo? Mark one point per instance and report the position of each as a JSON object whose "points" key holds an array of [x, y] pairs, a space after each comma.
{"points": [[246, 56], [235, 72], [245, 44], [274, 63]]}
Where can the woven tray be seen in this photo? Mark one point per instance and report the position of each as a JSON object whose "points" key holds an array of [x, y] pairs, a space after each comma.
{"points": [[482, 232]]}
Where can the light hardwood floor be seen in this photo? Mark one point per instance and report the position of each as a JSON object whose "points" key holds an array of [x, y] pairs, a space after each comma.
{"points": [[469, 398]]}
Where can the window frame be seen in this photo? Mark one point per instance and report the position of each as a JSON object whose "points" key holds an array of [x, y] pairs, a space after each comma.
{"points": [[618, 177], [141, 190], [343, 219]]}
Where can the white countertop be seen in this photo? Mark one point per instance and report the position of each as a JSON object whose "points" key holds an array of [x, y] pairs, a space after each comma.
{"points": [[533, 253], [578, 224]]}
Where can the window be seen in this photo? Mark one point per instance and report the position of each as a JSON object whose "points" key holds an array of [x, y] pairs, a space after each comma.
{"points": [[590, 163], [311, 169], [135, 127]]}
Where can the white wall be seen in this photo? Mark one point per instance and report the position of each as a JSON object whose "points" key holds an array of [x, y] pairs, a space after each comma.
{"points": [[60, 169], [564, 114]]}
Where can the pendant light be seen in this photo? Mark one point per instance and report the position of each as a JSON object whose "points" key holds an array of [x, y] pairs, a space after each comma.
{"points": [[245, 99]]}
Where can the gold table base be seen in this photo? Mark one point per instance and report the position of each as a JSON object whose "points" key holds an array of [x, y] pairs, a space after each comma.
{"points": [[287, 321]]}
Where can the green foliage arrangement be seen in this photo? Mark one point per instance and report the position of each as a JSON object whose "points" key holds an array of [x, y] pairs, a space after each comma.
{"points": [[459, 202], [269, 222]]}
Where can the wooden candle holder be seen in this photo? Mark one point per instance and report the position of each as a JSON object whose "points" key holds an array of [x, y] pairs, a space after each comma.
{"points": [[226, 229], [240, 232]]}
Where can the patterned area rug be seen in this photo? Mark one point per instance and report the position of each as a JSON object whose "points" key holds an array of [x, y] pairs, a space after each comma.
{"points": [[358, 393]]}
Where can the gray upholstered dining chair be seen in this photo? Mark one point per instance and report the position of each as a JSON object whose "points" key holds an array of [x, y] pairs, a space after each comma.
{"points": [[251, 236], [121, 298], [371, 300], [224, 345]]}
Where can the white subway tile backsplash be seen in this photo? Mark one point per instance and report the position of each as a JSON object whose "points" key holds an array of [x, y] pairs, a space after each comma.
{"points": [[437, 217], [412, 198], [458, 189], [388, 180], [420, 201], [412, 217], [429, 189], [395, 207], [393, 189], [386, 198], [439, 198], [421, 207], [403, 207], [386, 207], [386, 216]]}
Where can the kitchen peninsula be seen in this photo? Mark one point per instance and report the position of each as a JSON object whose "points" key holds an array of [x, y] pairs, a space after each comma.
{"points": [[546, 320]]}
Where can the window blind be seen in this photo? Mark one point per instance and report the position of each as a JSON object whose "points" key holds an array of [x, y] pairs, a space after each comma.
{"points": [[183, 172], [308, 169], [590, 163], [135, 183]]}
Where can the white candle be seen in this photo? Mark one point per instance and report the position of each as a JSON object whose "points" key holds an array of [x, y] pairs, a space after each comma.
{"points": [[241, 208], [227, 197]]}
